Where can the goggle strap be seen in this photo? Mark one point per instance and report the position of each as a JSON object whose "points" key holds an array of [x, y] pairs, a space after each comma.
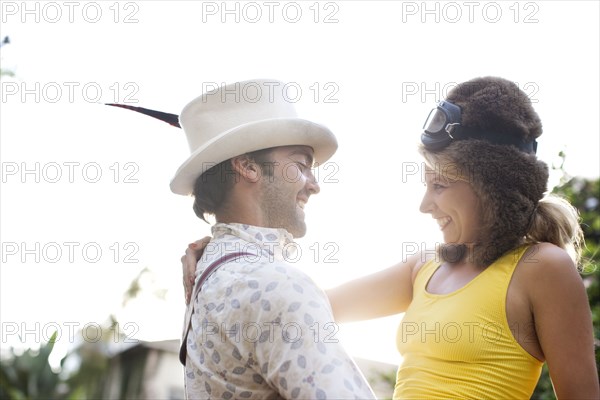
{"points": [[461, 132]]}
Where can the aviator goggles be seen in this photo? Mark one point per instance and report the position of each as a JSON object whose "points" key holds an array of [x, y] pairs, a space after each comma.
{"points": [[443, 126]]}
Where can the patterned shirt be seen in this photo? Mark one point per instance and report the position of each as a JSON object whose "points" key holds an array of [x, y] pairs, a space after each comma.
{"points": [[261, 328]]}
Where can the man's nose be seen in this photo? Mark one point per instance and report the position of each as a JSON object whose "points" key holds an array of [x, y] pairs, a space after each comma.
{"points": [[311, 183]]}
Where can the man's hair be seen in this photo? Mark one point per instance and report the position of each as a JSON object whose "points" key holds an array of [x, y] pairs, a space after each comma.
{"points": [[213, 186]]}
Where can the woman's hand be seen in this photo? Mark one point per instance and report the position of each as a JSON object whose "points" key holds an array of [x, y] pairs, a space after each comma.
{"points": [[188, 265]]}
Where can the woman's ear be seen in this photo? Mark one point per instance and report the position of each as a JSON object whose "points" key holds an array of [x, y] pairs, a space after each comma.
{"points": [[246, 168]]}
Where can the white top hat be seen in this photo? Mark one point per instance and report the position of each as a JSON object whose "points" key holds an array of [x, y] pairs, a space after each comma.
{"points": [[241, 118]]}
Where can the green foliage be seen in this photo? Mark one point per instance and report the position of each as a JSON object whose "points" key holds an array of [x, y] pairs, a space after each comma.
{"points": [[88, 380], [29, 375], [4, 72], [384, 380], [544, 389]]}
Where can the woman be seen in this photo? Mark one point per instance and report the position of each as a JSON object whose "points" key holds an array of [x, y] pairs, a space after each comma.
{"points": [[503, 294]]}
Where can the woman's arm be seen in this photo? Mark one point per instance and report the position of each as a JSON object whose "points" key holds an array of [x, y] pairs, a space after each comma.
{"points": [[377, 295], [563, 323]]}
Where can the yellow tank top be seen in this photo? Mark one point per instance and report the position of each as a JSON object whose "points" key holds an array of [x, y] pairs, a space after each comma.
{"points": [[459, 345]]}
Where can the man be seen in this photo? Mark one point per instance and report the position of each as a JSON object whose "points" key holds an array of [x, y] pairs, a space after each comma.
{"points": [[257, 327]]}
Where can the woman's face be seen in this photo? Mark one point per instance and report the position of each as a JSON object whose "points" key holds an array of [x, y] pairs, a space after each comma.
{"points": [[454, 205]]}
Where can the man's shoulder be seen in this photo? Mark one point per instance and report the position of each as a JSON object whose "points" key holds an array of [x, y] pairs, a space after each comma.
{"points": [[273, 272], [273, 291], [251, 264]]}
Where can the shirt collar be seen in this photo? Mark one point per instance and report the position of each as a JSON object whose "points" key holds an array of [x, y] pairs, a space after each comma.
{"points": [[275, 241]]}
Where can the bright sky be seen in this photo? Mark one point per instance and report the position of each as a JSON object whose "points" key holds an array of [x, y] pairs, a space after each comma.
{"points": [[85, 201]]}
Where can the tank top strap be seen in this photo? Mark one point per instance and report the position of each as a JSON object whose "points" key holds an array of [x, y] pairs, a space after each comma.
{"points": [[501, 271], [425, 274]]}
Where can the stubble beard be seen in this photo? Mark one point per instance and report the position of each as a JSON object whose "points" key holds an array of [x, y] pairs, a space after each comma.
{"points": [[280, 208]]}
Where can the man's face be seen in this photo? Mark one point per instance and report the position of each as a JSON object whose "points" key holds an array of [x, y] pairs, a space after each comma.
{"points": [[285, 193]]}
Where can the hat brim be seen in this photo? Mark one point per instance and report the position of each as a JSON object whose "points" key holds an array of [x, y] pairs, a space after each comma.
{"points": [[250, 137]]}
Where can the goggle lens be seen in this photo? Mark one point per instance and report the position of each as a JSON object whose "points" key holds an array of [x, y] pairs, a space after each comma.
{"points": [[436, 121]]}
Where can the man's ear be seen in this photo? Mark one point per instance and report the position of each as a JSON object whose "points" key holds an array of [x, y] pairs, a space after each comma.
{"points": [[246, 168]]}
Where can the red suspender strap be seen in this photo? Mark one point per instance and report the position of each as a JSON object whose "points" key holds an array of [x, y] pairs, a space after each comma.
{"points": [[197, 287]]}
